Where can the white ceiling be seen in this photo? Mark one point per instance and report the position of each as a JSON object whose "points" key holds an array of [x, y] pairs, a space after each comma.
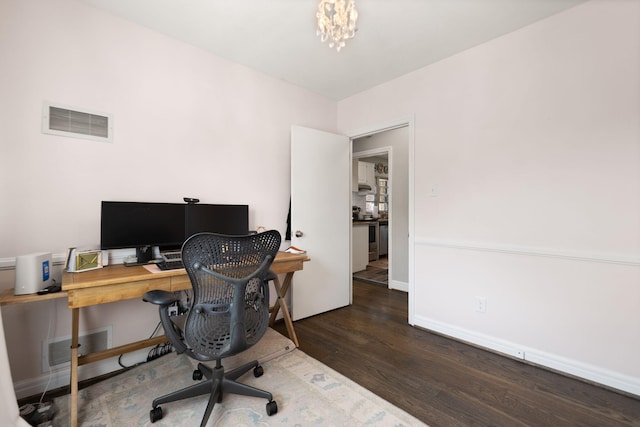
{"points": [[278, 37]]}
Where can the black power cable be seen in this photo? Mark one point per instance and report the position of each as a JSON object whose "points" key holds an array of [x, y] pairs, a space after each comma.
{"points": [[156, 352]]}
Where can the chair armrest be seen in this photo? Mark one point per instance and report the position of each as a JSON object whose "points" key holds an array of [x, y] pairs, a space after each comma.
{"points": [[172, 331], [159, 297]]}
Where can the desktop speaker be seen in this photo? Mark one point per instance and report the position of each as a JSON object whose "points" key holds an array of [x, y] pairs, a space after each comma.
{"points": [[33, 273]]}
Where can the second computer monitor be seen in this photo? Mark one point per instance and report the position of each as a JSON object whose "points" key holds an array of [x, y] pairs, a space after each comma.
{"points": [[223, 219]]}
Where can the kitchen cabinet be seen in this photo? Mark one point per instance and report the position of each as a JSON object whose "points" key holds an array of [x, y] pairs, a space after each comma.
{"points": [[364, 179], [360, 247]]}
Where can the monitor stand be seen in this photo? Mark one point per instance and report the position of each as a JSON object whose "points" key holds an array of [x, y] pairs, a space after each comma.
{"points": [[144, 254]]}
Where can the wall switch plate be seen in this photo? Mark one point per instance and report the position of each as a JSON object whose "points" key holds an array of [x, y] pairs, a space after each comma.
{"points": [[434, 190], [481, 304]]}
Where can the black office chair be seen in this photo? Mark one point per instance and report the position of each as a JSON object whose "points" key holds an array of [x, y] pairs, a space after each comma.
{"points": [[229, 313]]}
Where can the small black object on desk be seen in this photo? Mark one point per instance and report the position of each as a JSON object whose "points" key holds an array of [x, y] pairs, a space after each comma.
{"points": [[50, 289]]}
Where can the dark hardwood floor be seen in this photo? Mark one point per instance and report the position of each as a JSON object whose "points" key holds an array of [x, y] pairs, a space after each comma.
{"points": [[444, 382]]}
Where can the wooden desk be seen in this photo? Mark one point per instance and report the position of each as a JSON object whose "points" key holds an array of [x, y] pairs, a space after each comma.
{"points": [[8, 298], [119, 283]]}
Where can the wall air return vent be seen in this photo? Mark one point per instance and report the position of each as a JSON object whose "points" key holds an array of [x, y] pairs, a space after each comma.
{"points": [[77, 123]]}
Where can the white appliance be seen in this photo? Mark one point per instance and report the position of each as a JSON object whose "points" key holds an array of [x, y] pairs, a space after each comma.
{"points": [[33, 273]]}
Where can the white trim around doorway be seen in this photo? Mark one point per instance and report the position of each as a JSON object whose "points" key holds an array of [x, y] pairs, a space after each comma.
{"points": [[385, 126]]}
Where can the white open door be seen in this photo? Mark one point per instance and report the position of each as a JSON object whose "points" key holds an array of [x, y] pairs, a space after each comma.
{"points": [[321, 220]]}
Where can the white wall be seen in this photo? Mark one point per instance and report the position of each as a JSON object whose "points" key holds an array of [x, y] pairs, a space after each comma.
{"points": [[187, 123], [533, 142]]}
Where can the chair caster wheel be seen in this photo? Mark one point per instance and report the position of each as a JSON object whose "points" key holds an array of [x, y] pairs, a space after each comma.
{"points": [[156, 414], [258, 371], [197, 375], [272, 408]]}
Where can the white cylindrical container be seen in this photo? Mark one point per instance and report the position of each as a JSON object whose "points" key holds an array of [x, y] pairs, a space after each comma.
{"points": [[33, 273]]}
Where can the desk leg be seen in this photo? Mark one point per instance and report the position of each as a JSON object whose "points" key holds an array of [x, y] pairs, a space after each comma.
{"points": [[73, 411], [282, 303]]}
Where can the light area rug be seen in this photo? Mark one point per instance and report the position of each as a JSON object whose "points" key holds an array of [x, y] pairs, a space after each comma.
{"points": [[308, 393]]}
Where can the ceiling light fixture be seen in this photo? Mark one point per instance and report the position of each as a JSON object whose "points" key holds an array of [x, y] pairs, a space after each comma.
{"points": [[336, 21]]}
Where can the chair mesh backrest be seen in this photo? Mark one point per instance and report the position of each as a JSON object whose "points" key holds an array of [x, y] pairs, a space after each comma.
{"points": [[219, 304]]}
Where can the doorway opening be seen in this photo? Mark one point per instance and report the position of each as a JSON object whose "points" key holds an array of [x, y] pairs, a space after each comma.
{"points": [[371, 205], [398, 136]]}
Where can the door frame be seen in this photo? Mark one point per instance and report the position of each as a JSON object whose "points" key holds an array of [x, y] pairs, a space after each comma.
{"points": [[408, 121]]}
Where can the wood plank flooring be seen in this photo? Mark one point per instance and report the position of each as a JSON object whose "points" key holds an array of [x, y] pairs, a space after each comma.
{"points": [[377, 272], [379, 276], [444, 382]]}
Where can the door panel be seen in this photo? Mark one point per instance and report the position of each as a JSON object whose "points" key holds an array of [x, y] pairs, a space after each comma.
{"points": [[321, 211]]}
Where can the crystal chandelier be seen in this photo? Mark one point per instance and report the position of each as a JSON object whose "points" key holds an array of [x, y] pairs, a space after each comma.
{"points": [[336, 21]]}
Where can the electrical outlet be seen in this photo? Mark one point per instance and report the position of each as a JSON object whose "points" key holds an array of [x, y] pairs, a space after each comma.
{"points": [[481, 304]]}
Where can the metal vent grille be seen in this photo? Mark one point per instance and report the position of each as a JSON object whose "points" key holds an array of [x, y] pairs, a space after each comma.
{"points": [[66, 121], [56, 353]]}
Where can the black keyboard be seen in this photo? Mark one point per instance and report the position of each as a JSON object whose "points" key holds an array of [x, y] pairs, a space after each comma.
{"points": [[172, 256], [170, 265]]}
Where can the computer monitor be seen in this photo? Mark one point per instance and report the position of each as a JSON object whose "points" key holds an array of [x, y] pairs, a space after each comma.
{"points": [[141, 225], [232, 220]]}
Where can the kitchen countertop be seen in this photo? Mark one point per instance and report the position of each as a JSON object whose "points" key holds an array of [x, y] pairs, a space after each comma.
{"points": [[369, 221]]}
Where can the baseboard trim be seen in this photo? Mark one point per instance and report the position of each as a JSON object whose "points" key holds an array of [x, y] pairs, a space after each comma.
{"points": [[613, 258], [573, 368], [60, 378], [399, 286]]}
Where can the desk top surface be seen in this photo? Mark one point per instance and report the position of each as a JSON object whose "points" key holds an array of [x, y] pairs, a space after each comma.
{"points": [[8, 298], [118, 273], [114, 274]]}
